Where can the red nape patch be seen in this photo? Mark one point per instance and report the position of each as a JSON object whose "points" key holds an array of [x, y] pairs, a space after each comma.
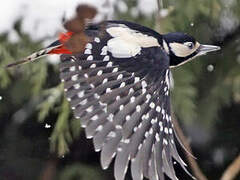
{"points": [[63, 38], [60, 50]]}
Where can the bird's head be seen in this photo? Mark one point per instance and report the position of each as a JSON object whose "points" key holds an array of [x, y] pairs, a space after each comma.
{"points": [[183, 48]]}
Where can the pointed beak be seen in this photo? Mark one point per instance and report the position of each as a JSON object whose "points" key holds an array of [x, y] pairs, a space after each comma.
{"points": [[204, 49]]}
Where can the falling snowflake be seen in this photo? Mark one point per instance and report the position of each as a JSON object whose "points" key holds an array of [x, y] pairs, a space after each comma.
{"points": [[47, 126], [210, 67]]}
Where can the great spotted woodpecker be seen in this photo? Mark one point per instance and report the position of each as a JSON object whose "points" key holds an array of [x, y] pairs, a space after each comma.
{"points": [[118, 88]]}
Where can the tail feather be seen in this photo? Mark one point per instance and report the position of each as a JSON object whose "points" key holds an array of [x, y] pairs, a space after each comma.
{"points": [[34, 56], [56, 47]]}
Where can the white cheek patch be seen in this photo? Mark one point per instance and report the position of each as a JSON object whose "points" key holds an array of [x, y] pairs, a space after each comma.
{"points": [[182, 50], [127, 42]]}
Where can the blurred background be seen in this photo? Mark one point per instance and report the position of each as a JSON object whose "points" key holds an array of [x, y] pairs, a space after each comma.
{"points": [[40, 139]]}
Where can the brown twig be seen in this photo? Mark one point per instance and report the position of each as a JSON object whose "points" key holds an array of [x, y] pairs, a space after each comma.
{"points": [[191, 161], [233, 169]]}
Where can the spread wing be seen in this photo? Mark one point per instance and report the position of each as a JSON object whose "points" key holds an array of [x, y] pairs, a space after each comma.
{"points": [[122, 100]]}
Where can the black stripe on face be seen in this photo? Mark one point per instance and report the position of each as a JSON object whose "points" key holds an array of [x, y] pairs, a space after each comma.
{"points": [[175, 61]]}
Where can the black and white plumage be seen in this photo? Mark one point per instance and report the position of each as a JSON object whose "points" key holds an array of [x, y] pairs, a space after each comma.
{"points": [[118, 88]]}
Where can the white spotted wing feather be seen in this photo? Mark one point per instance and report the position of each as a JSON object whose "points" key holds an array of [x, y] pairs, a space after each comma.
{"points": [[122, 100]]}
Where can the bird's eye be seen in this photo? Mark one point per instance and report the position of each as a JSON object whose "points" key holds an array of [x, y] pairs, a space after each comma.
{"points": [[190, 45]]}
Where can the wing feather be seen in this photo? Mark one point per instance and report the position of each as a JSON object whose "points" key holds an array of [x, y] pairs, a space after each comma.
{"points": [[122, 160], [124, 105]]}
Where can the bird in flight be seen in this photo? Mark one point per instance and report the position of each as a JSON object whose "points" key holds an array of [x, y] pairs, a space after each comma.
{"points": [[118, 87]]}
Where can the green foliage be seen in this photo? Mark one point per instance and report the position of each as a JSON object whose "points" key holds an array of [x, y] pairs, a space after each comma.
{"points": [[53, 96], [29, 83], [61, 135], [75, 171], [184, 94], [4, 76]]}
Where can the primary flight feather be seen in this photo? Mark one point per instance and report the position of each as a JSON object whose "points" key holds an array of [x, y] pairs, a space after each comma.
{"points": [[118, 87]]}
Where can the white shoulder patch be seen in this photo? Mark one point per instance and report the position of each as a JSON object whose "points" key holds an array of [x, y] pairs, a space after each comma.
{"points": [[127, 42], [122, 49]]}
